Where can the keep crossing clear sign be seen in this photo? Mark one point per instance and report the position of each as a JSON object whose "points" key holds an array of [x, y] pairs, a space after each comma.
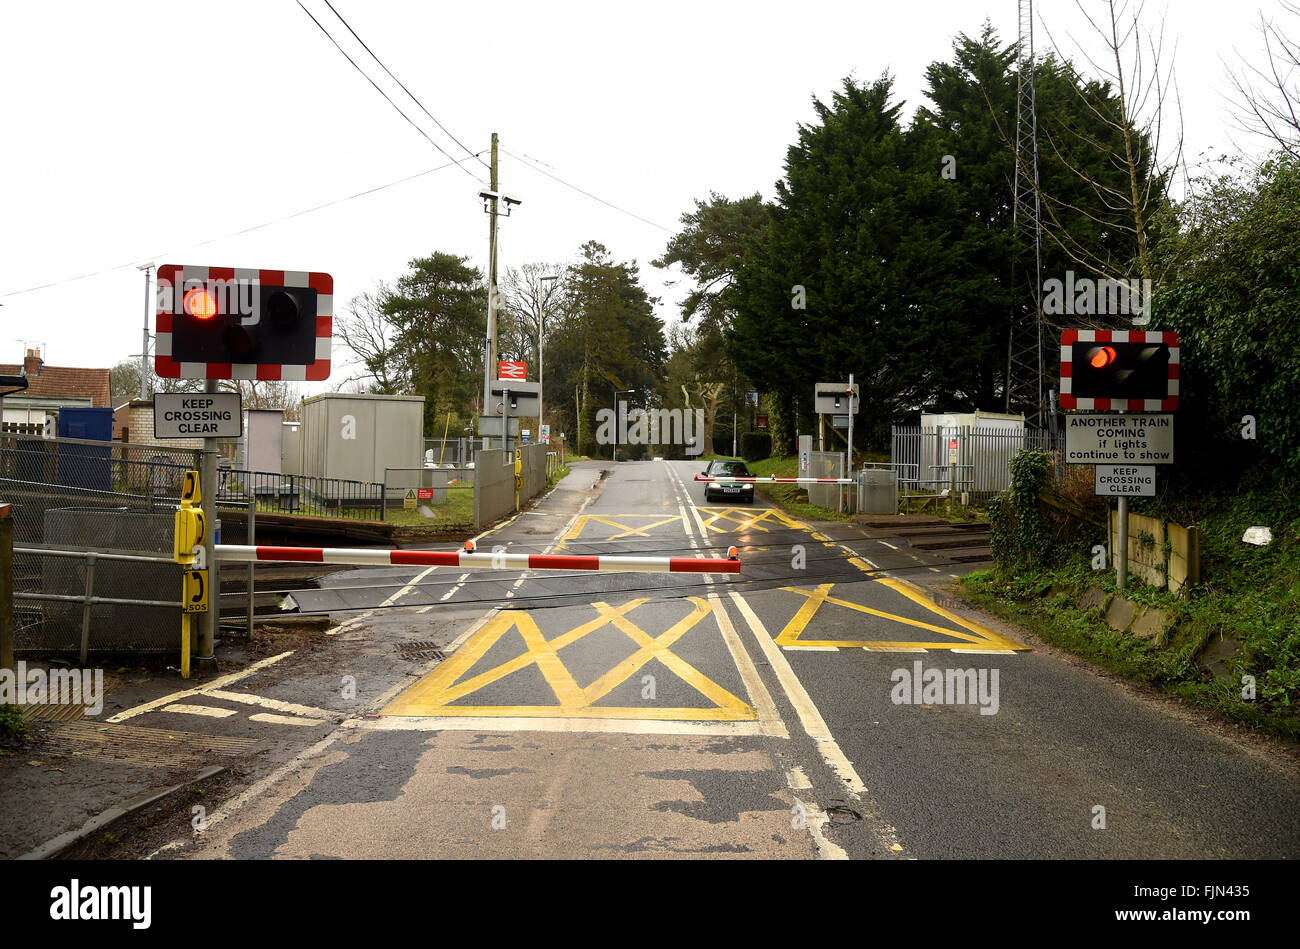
{"points": [[1126, 481], [197, 415]]}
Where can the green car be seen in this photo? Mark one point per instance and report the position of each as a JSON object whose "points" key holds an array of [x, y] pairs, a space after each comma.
{"points": [[724, 490]]}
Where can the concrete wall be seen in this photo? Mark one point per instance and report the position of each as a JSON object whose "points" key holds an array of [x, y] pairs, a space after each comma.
{"points": [[494, 482], [358, 436]]}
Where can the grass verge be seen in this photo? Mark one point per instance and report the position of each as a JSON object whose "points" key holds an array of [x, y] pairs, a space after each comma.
{"points": [[1248, 607], [791, 498]]}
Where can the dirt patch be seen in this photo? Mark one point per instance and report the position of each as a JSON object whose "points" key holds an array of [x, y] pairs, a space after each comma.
{"points": [[144, 831]]}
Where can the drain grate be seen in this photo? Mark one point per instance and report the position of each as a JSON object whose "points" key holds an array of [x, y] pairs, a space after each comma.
{"points": [[420, 650]]}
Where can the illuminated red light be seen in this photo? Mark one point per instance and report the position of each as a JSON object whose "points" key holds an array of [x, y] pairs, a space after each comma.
{"points": [[1101, 357], [200, 304]]}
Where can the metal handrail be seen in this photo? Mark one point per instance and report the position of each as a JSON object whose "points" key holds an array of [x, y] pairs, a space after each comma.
{"points": [[88, 599]]}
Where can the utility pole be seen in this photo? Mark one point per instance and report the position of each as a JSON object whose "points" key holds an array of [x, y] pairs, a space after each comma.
{"points": [[144, 344], [490, 349]]}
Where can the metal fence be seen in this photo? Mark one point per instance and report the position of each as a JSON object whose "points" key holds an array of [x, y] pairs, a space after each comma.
{"points": [[958, 459], [300, 494], [429, 496], [452, 452], [107, 498]]}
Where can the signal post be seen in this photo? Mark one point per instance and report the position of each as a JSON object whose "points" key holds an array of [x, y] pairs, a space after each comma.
{"points": [[215, 323], [1120, 372]]}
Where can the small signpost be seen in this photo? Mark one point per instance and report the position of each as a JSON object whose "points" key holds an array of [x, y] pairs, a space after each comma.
{"points": [[1118, 378], [408, 502]]}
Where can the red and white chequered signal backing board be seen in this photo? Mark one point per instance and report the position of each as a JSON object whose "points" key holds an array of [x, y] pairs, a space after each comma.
{"points": [[172, 276], [1070, 337]]}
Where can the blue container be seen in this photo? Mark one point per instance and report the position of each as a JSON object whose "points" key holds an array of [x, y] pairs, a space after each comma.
{"points": [[88, 467]]}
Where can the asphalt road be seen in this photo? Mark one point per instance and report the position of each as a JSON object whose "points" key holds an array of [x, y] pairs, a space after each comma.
{"points": [[792, 711]]}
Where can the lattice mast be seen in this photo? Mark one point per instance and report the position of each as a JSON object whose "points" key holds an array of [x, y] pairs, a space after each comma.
{"points": [[1026, 380]]}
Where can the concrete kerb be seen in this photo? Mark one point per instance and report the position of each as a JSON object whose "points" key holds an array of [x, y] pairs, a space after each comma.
{"points": [[56, 845]]}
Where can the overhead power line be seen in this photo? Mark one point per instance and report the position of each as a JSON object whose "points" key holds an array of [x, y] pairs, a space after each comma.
{"points": [[256, 227], [444, 128], [541, 171], [387, 98]]}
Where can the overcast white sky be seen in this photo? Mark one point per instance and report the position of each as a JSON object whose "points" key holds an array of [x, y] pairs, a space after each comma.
{"points": [[140, 131]]}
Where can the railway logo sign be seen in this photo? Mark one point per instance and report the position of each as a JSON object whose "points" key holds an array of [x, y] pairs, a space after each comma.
{"points": [[242, 323], [512, 370]]}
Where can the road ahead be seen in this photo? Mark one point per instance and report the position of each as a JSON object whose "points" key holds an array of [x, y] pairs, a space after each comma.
{"points": [[788, 712]]}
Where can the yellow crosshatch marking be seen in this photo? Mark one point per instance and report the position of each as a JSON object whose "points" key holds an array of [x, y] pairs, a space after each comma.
{"points": [[977, 637], [634, 528], [434, 694], [741, 519]]}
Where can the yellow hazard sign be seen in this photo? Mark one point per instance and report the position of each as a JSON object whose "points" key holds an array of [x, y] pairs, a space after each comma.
{"points": [[408, 501]]}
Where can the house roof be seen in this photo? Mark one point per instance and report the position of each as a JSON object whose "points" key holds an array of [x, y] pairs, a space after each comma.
{"points": [[62, 382]]}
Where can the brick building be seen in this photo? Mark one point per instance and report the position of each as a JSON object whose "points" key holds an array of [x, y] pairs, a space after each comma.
{"points": [[50, 388]]}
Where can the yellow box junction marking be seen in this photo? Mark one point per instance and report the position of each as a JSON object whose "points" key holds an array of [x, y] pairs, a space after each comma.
{"points": [[433, 694], [615, 521], [977, 635], [742, 519]]}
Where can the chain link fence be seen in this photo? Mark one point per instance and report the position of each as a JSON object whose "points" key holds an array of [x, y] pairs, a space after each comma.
{"points": [[100, 497]]}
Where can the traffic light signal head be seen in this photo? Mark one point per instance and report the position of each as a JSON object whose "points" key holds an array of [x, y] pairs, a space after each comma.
{"points": [[223, 323], [1119, 370]]}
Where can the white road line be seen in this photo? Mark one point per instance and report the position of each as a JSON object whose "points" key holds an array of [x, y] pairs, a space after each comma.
{"points": [[809, 717], [387, 603], [291, 707], [796, 780], [758, 694], [205, 710], [888, 544], [489, 723], [817, 820], [284, 719], [214, 684]]}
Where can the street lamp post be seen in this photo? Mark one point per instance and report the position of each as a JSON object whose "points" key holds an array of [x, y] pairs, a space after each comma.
{"points": [[617, 393]]}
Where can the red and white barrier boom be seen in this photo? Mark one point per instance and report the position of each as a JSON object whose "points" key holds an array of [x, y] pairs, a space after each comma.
{"points": [[468, 558], [769, 479]]}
